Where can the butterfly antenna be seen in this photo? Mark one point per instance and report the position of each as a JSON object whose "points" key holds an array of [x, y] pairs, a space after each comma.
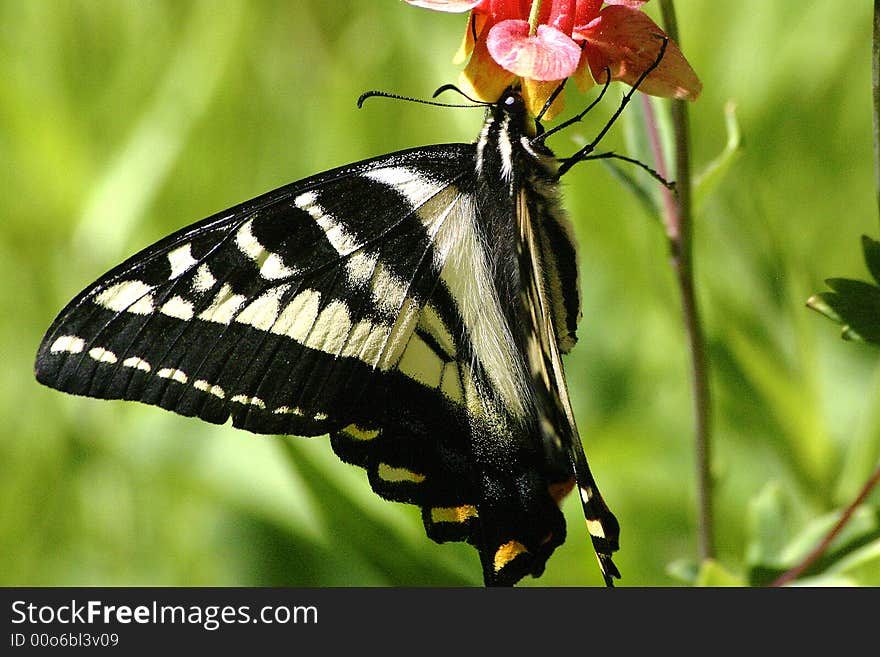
{"points": [[452, 87], [584, 153], [384, 94]]}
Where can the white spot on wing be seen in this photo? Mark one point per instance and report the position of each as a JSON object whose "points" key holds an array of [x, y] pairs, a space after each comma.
{"points": [[204, 280], [286, 410], [253, 401], [274, 268], [178, 307], [246, 242], [224, 306], [399, 334], [137, 362], [181, 260], [173, 374], [360, 267], [133, 296], [415, 187], [205, 386], [102, 355], [335, 232], [366, 342], [387, 290], [69, 343], [263, 311], [271, 265], [298, 317], [505, 148], [331, 329]]}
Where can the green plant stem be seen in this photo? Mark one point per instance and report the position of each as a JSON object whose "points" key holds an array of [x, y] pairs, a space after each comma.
{"points": [[875, 87], [817, 551], [534, 15], [678, 221]]}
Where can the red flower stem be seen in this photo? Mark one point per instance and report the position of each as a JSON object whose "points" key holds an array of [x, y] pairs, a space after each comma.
{"points": [[677, 219], [817, 551]]}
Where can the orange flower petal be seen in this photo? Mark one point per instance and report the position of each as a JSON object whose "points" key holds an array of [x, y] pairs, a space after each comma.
{"points": [[535, 93], [582, 76], [549, 55], [467, 42], [483, 78], [625, 40]]}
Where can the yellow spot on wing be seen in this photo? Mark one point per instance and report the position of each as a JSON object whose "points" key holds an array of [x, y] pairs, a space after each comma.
{"points": [[419, 362], [596, 528], [507, 553], [431, 322], [453, 513], [451, 386], [393, 474], [359, 433]]}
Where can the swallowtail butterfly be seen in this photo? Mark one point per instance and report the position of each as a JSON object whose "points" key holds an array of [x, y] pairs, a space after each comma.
{"points": [[414, 307]]}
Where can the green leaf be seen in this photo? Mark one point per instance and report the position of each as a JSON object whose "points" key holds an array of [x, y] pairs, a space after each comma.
{"points": [[854, 304], [775, 548], [872, 256], [709, 178], [684, 570], [862, 526], [862, 567], [769, 522], [713, 573]]}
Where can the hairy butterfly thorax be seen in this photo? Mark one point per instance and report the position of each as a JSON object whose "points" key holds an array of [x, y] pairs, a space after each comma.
{"points": [[414, 306]]}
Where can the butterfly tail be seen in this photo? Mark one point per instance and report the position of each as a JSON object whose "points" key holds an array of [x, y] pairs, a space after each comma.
{"points": [[601, 524]]}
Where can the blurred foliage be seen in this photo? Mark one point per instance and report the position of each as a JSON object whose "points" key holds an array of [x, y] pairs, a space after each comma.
{"points": [[122, 121], [854, 304]]}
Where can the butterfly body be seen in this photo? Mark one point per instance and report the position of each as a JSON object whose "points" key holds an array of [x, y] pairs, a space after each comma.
{"points": [[414, 306]]}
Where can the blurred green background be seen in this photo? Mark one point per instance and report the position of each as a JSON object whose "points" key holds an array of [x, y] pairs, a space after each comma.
{"points": [[123, 121]]}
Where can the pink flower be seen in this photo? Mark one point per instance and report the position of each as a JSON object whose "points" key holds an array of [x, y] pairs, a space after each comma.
{"points": [[568, 38]]}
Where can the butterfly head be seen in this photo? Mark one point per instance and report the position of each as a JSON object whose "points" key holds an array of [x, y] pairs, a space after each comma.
{"points": [[511, 110]]}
